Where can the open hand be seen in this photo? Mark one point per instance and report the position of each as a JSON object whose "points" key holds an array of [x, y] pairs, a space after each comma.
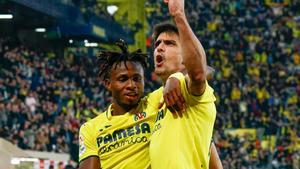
{"points": [[172, 96]]}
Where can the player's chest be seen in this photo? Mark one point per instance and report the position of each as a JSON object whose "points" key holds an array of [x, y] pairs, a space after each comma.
{"points": [[118, 135]]}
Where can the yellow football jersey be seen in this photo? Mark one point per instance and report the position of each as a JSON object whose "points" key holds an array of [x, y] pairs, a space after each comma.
{"points": [[121, 141], [184, 142]]}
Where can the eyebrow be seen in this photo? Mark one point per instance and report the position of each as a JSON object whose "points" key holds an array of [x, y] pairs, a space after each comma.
{"points": [[125, 74], [167, 41]]}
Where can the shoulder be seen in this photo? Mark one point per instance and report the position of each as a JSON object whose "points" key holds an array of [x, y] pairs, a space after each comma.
{"points": [[154, 97], [155, 93], [89, 125], [206, 96]]}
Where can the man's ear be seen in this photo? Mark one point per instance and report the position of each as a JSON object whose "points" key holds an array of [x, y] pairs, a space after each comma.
{"points": [[107, 84]]}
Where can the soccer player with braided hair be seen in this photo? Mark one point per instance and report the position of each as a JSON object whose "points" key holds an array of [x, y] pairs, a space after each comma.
{"points": [[119, 137]]}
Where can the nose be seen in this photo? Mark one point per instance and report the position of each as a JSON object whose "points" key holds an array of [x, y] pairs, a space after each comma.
{"points": [[160, 47], [131, 84]]}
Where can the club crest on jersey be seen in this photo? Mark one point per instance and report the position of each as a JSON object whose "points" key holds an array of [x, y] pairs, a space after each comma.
{"points": [[82, 147], [139, 116]]}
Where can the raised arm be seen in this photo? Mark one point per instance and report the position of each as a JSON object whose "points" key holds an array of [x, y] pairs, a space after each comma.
{"points": [[193, 54]]}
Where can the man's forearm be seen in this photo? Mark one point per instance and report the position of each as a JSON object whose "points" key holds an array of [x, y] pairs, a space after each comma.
{"points": [[194, 57]]}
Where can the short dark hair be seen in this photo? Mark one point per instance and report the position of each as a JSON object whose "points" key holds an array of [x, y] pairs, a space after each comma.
{"points": [[164, 27], [106, 59]]}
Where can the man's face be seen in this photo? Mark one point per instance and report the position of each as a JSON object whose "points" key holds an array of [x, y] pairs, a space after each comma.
{"points": [[126, 84], [167, 55]]}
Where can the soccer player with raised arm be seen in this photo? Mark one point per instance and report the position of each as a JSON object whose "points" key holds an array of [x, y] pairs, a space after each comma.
{"points": [[182, 139]]}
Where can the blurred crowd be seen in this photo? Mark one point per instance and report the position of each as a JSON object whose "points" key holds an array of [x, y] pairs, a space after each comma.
{"points": [[254, 47], [91, 8], [43, 97]]}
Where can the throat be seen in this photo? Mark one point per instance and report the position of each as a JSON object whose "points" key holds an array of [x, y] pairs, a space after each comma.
{"points": [[121, 109]]}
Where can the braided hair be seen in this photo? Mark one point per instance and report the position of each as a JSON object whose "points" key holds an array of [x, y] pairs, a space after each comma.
{"points": [[106, 59]]}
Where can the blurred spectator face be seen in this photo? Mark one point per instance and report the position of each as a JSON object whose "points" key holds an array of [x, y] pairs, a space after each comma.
{"points": [[126, 84], [60, 165], [167, 54], [2, 106]]}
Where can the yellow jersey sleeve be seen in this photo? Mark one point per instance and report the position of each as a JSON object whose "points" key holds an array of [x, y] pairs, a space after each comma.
{"points": [[87, 146], [206, 97], [153, 98]]}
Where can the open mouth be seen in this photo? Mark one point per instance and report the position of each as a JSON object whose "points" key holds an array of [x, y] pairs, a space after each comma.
{"points": [[159, 60]]}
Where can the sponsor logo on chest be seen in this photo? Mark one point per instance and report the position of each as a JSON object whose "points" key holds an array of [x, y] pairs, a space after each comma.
{"points": [[122, 137]]}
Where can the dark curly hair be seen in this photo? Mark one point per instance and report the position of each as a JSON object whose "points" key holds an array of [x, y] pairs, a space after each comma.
{"points": [[164, 27], [106, 59]]}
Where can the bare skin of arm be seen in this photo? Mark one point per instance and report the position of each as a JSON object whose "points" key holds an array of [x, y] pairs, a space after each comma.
{"points": [[214, 161], [194, 57], [90, 163]]}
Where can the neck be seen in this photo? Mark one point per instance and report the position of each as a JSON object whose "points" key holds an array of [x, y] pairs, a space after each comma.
{"points": [[164, 80], [120, 109]]}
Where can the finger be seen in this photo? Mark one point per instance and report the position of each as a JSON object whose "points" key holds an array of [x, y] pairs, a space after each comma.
{"points": [[179, 105], [179, 111], [179, 94], [169, 99], [179, 101], [172, 98], [176, 107], [166, 100], [161, 103], [180, 114], [184, 107], [175, 116], [175, 113], [172, 110], [181, 97], [166, 1]]}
